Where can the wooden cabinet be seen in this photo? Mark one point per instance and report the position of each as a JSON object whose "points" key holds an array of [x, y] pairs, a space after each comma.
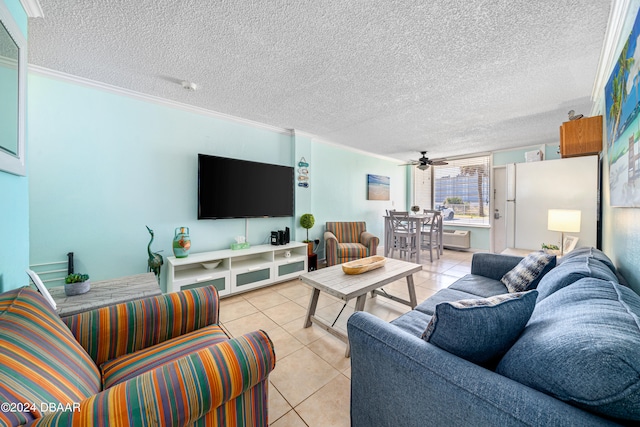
{"points": [[581, 137]]}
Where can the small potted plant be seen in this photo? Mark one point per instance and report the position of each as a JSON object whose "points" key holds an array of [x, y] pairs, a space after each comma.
{"points": [[551, 249], [307, 221], [76, 284]]}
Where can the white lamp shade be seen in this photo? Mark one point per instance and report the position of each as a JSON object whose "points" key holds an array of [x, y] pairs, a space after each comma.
{"points": [[564, 220]]}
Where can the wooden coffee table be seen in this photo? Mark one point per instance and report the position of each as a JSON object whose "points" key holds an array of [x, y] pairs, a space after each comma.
{"points": [[333, 281]]}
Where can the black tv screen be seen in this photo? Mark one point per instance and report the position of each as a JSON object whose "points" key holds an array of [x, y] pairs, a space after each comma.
{"points": [[231, 188]]}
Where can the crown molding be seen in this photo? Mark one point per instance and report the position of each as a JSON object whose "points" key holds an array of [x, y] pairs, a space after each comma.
{"points": [[93, 84], [355, 150], [32, 8], [296, 132], [617, 16]]}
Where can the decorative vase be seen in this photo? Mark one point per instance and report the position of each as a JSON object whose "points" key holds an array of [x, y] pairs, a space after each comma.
{"points": [[78, 288], [181, 242]]}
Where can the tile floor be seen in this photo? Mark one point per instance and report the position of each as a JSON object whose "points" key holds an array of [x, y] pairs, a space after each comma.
{"points": [[310, 384]]}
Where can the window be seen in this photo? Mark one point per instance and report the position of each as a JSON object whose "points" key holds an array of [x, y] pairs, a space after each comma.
{"points": [[460, 189], [422, 188]]}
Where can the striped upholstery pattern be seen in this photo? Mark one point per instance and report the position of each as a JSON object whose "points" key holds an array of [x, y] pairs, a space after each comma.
{"points": [[347, 232], [131, 365], [40, 361], [346, 241], [110, 332], [188, 391], [352, 251]]}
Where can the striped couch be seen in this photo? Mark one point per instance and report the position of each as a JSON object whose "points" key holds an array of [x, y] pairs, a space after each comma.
{"points": [[346, 241], [161, 361]]}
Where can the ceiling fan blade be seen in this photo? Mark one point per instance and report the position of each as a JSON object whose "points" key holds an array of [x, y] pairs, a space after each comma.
{"points": [[439, 163], [410, 163]]}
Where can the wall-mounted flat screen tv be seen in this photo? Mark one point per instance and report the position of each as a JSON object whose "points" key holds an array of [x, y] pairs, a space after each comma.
{"points": [[232, 188]]}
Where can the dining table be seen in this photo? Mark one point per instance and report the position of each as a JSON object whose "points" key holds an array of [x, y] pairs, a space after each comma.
{"points": [[419, 220]]}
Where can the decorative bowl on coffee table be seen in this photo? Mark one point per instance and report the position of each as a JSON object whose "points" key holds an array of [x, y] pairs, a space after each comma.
{"points": [[362, 265]]}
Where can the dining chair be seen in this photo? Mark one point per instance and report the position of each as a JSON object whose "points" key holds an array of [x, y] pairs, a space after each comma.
{"points": [[389, 230], [442, 216], [431, 233], [403, 234]]}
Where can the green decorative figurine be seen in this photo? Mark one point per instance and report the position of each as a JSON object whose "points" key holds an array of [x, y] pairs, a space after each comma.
{"points": [[155, 259]]}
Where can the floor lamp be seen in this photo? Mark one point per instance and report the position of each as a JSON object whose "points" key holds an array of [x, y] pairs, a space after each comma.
{"points": [[564, 220]]}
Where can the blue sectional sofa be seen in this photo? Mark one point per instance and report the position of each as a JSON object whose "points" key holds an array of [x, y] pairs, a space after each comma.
{"points": [[575, 363]]}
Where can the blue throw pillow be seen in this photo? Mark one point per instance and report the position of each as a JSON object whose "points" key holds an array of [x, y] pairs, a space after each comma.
{"points": [[480, 330], [582, 346], [528, 272]]}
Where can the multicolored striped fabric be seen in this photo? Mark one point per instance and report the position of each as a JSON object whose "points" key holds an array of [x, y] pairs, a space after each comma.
{"points": [[347, 232], [230, 376], [352, 251], [110, 332], [40, 361], [346, 241], [131, 365]]}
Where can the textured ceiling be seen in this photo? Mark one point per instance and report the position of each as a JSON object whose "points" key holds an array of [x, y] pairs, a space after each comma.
{"points": [[390, 77]]}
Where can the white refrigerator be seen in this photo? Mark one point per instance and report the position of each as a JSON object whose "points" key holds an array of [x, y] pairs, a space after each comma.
{"points": [[535, 187]]}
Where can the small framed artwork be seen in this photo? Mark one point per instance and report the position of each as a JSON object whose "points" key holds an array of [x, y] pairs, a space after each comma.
{"points": [[569, 244], [378, 187], [41, 287]]}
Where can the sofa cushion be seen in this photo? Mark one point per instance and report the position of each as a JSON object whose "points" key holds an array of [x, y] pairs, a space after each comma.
{"points": [[352, 250], [413, 322], [443, 295], [581, 346], [571, 271], [42, 362], [131, 365], [479, 285], [529, 271], [589, 253], [480, 330]]}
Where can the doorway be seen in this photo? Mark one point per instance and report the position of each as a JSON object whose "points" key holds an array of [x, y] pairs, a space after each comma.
{"points": [[499, 224]]}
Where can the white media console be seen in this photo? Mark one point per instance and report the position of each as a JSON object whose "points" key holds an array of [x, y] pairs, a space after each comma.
{"points": [[239, 270]]}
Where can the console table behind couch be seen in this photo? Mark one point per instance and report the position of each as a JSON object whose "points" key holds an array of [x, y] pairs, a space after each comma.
{"points": [[105, 293]]}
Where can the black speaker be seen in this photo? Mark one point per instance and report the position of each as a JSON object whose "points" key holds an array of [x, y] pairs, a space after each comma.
{"points": [[274, 238], [280, 237], [287, 236]]}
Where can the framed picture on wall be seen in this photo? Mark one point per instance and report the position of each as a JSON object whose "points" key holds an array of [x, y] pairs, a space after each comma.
{"points": [[13, 77], [378, 187], [622, 100], [569, 244]]}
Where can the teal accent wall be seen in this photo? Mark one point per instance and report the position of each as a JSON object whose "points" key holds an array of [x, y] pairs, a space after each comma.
{"points": [[302, 149], [18, 13], [14, 212], [620, 226], [14, 229], [339, 181], [552, 151], [103, 166], [8, 111], [517, 155]]}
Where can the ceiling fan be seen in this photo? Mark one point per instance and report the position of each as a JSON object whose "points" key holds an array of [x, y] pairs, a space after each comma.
{"points": [[423, 162]]}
